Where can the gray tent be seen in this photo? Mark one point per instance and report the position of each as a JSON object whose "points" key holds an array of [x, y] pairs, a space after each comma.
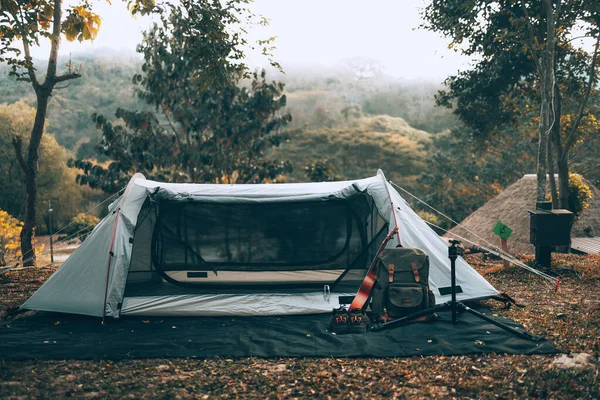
{"points": [[204, 249]]}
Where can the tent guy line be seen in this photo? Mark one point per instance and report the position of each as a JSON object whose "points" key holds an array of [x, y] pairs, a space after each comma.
{"points": [[4, 270], [23, 261], [498, 252], [504, 257], [451, 220]]}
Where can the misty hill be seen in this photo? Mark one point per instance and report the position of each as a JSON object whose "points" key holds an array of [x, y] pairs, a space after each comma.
{"points": [[335, 113], [315, 92], [105, 84]]}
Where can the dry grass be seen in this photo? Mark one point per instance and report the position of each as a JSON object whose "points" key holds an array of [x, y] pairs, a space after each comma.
{"points": [[564, 317], [359, 149]]}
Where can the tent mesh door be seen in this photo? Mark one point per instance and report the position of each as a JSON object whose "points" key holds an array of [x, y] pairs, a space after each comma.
{"points": [[199, 245]]}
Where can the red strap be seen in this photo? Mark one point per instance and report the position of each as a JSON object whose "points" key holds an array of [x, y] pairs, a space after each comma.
{"points": [[367, 285]]}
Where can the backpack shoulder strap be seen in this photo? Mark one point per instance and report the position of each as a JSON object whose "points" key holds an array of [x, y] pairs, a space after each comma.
{"points": [[364, 292]]}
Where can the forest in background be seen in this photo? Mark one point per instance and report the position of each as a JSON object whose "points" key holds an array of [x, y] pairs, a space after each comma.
{"points": [[347, 121]]}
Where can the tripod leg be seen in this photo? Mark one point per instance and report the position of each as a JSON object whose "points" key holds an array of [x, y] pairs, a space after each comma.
{"points": [[512, 330], [377, 326]]}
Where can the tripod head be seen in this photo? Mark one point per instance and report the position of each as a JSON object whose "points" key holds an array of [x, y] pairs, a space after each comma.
{"points": [[453, 250]]}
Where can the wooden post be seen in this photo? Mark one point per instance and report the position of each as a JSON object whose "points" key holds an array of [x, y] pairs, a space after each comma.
{"points": [[504, 247]]}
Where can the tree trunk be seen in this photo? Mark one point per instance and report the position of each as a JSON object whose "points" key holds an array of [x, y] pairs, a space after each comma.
{"points": [[555, 146], [552, 181], [31, 173], [562, 155], [563, 179], [543, 139], [546, 71]]}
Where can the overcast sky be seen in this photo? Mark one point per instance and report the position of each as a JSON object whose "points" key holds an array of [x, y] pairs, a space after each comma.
{"points": [[316, 32]]}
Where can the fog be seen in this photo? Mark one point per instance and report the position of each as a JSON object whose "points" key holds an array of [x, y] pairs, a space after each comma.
{"points": [[314, 33]]}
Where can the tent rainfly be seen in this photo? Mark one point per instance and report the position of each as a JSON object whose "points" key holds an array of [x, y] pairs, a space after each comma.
{"points": [[207, 249]]}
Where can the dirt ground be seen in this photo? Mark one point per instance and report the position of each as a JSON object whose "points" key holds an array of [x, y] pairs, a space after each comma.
{"points": [[569, 317]]}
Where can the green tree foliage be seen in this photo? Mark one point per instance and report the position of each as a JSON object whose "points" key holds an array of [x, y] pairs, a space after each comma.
{"points": [[55, 181], [213, 125], [104, 87], [463, 173], [22, 25], [352, 111], [584, 156], [321, 171], [580, 194], [82, 225], [526, 56]]}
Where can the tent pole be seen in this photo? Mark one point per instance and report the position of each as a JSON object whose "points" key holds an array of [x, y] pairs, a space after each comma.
{"points": [[112, 240], [110, 256]]}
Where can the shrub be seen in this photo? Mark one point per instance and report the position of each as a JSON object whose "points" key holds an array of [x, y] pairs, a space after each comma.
{"points": [[321, 171], [431, 218], [580, 194], [10, 228], [82, 225]]}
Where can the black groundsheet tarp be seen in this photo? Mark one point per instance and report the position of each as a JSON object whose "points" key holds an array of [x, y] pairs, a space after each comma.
{"points": [[60, 336]]}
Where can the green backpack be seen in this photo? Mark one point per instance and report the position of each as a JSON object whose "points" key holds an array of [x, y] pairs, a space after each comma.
{"points": [[402, 285]]}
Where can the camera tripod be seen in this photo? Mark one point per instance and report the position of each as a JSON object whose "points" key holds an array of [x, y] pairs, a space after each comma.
{"points": [[453, 305]]}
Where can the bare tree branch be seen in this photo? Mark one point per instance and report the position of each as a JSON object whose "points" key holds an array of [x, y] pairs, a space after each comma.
{"points": [[55, 42], [557, 13], [166, 114], [26, 49], [580, 113], [530, 36], [65, 77], [62, 87], [30, 67], [578, 37]]}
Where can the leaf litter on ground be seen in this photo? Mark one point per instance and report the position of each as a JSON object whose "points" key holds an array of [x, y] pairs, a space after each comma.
{"points": [[570, 318]]}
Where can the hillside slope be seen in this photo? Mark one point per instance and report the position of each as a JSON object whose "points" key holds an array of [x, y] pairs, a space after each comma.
{"points": [[105, 85], [360, 148]]}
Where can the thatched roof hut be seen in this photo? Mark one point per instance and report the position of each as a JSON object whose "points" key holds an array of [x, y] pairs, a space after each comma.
{"points": [[510, 207]]}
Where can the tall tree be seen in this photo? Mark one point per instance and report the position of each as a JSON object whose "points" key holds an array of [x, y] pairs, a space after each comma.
{"points": [[525, 51], [22, 25], [55, 179], [465, 172], [214, 118]]}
